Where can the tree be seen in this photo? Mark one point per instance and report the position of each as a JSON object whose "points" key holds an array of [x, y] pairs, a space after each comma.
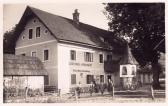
{"points": [[9, 41], [143, 25]]}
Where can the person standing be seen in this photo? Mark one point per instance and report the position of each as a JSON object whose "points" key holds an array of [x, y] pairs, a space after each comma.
{"points": [[78, 90], [91, 88], [26, 92], [102, 88], [111, 87]]}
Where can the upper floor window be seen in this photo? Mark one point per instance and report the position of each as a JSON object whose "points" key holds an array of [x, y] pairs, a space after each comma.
{"points": [[30, 33], [46, 55], [73, 55], [88, 57], [33, 54], [37, 31], [109, 57], [101, 58]]}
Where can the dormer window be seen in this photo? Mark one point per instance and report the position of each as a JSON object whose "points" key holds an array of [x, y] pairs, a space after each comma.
{"points": [[37, 32], [30, 33]]}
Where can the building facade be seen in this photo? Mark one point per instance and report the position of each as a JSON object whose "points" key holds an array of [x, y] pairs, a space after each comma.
{"points": [[72, 52]]}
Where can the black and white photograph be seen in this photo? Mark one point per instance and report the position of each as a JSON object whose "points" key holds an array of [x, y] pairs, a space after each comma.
{"points": [[76, 52]]}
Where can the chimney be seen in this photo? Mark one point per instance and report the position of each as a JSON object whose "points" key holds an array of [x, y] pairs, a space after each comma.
{"points": [[76, 17]]}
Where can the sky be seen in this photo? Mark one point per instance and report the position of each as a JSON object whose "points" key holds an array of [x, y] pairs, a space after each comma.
{"points": [[90, 13]]}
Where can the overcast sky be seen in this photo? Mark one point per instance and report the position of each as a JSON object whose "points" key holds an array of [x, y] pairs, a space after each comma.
{"points": [[90, 13]]}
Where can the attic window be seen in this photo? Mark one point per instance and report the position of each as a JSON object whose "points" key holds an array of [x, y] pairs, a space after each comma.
{"points": [[23, 37], [30, 33], [37, 31], [46, 31], [23, 54]]}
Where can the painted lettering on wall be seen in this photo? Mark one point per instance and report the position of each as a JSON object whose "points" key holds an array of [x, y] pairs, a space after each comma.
{"points": [[80, 64], [77, 70]]}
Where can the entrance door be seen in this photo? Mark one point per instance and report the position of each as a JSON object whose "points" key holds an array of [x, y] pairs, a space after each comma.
{"points": [[108, 77]]}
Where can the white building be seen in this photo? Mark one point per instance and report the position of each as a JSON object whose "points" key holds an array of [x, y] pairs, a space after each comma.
{"points": [[72, 52]]}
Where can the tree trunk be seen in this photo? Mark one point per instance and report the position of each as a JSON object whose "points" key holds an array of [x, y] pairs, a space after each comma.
{"points": [[156, 69]]}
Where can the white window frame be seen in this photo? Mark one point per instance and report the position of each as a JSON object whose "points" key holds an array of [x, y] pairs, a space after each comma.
{"points": [[32, 53]]}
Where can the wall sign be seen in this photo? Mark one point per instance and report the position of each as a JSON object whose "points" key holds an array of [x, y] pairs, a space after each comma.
{"points": [[78, 70], [80, 64]]}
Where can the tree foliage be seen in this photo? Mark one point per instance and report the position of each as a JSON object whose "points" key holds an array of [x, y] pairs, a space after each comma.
{"points": [[9, 41], [143, 24]]}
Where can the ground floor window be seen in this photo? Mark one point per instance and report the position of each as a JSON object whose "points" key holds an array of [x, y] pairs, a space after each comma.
{"points": [[102, 78], [46, 55], [73, 78], [89, 79]]}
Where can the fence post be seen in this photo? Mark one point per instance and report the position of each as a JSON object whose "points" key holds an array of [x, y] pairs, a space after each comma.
{"points": [[59, 92], [113, 91], [152, 93]]}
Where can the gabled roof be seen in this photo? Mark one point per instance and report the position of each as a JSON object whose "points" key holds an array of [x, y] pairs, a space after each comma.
{"points": [[64, 29], [22, 65], [128, 58]]}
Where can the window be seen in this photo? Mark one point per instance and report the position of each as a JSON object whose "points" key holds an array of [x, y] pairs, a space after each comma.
{"points": [[37, 31], [46, 31], [89, 79], [124, 70], [101, 78], [73, 55], [73, 78], [101, 58], [33, 54], [88, 57], [46, 80], [23, 54], [23, 37], [109, 57], [133, 71], [46, 55], [30, 33]]}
